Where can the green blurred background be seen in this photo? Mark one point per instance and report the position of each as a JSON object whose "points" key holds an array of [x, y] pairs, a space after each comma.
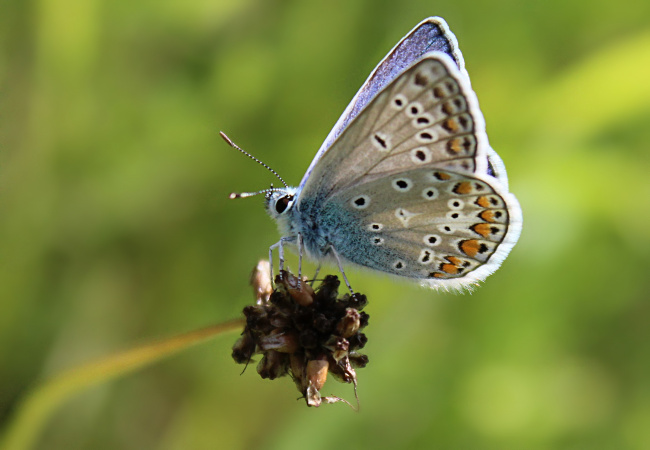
{"points": [[115, 226]]}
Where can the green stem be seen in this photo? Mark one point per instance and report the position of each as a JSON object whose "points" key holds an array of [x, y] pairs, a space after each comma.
{"points": [[33, 411]]}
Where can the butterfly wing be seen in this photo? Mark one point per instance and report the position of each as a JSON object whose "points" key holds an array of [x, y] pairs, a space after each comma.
{"points": [[444, 228], [427, 116], [415, 163], [432, 34]]}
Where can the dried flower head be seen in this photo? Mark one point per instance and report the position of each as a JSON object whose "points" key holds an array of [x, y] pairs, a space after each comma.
{"points": [[304, 333]]}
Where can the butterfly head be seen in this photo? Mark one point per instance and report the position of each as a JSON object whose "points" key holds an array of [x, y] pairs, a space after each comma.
{"points": [[279, 202]]}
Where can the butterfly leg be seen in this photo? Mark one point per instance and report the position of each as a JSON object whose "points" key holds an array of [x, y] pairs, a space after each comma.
{"points": [[338, 261], [315, 276], [299, 260], [280, 246], [271, 261]]}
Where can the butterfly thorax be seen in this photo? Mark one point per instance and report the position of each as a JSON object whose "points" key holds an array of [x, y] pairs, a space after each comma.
{"points": [[323, 225], [320, 226]]}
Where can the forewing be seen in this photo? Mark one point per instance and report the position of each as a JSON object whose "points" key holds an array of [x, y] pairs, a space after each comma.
{"points": [[427, 117], [431, 34]]}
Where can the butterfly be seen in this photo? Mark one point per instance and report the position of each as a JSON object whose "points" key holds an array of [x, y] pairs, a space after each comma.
{"points": [[406, 182]]}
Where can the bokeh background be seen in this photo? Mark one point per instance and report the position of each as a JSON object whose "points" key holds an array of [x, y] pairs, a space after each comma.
{"points": [[115, 226]]}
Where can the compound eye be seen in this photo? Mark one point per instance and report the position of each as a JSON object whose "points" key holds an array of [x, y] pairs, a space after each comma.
{"points": [[282, 203]]}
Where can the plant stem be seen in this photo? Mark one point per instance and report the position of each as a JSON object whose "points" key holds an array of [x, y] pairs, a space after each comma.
{"points": [[33, 411]]}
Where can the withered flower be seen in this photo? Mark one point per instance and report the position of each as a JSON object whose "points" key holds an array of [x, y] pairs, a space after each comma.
{"points": [[303, 332]]}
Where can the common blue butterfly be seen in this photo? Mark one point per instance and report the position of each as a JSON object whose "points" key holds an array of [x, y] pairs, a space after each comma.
{"points": [[406, 182]]}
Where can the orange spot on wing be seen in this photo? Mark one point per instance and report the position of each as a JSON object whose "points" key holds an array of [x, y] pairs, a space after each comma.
{"points": [[451, 125], [448, 108], [449, 268], [454, 266], [488, 216], [481, 228], [470, 247], [455, 261], [441, 176], [463, 188], [454, 146], [483, 202]]}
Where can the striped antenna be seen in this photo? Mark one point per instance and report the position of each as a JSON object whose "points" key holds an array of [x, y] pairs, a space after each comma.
{"points": [[235, 146]]}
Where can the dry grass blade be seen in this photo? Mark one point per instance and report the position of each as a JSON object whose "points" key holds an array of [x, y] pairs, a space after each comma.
{"points": [[31, 414]]}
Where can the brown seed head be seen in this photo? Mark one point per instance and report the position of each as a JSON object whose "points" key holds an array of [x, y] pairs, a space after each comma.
{"points": [[304, 333]]}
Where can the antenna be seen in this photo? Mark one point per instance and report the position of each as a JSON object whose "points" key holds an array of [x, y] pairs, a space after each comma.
{"points": [[235, 146], [250, 194]]}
